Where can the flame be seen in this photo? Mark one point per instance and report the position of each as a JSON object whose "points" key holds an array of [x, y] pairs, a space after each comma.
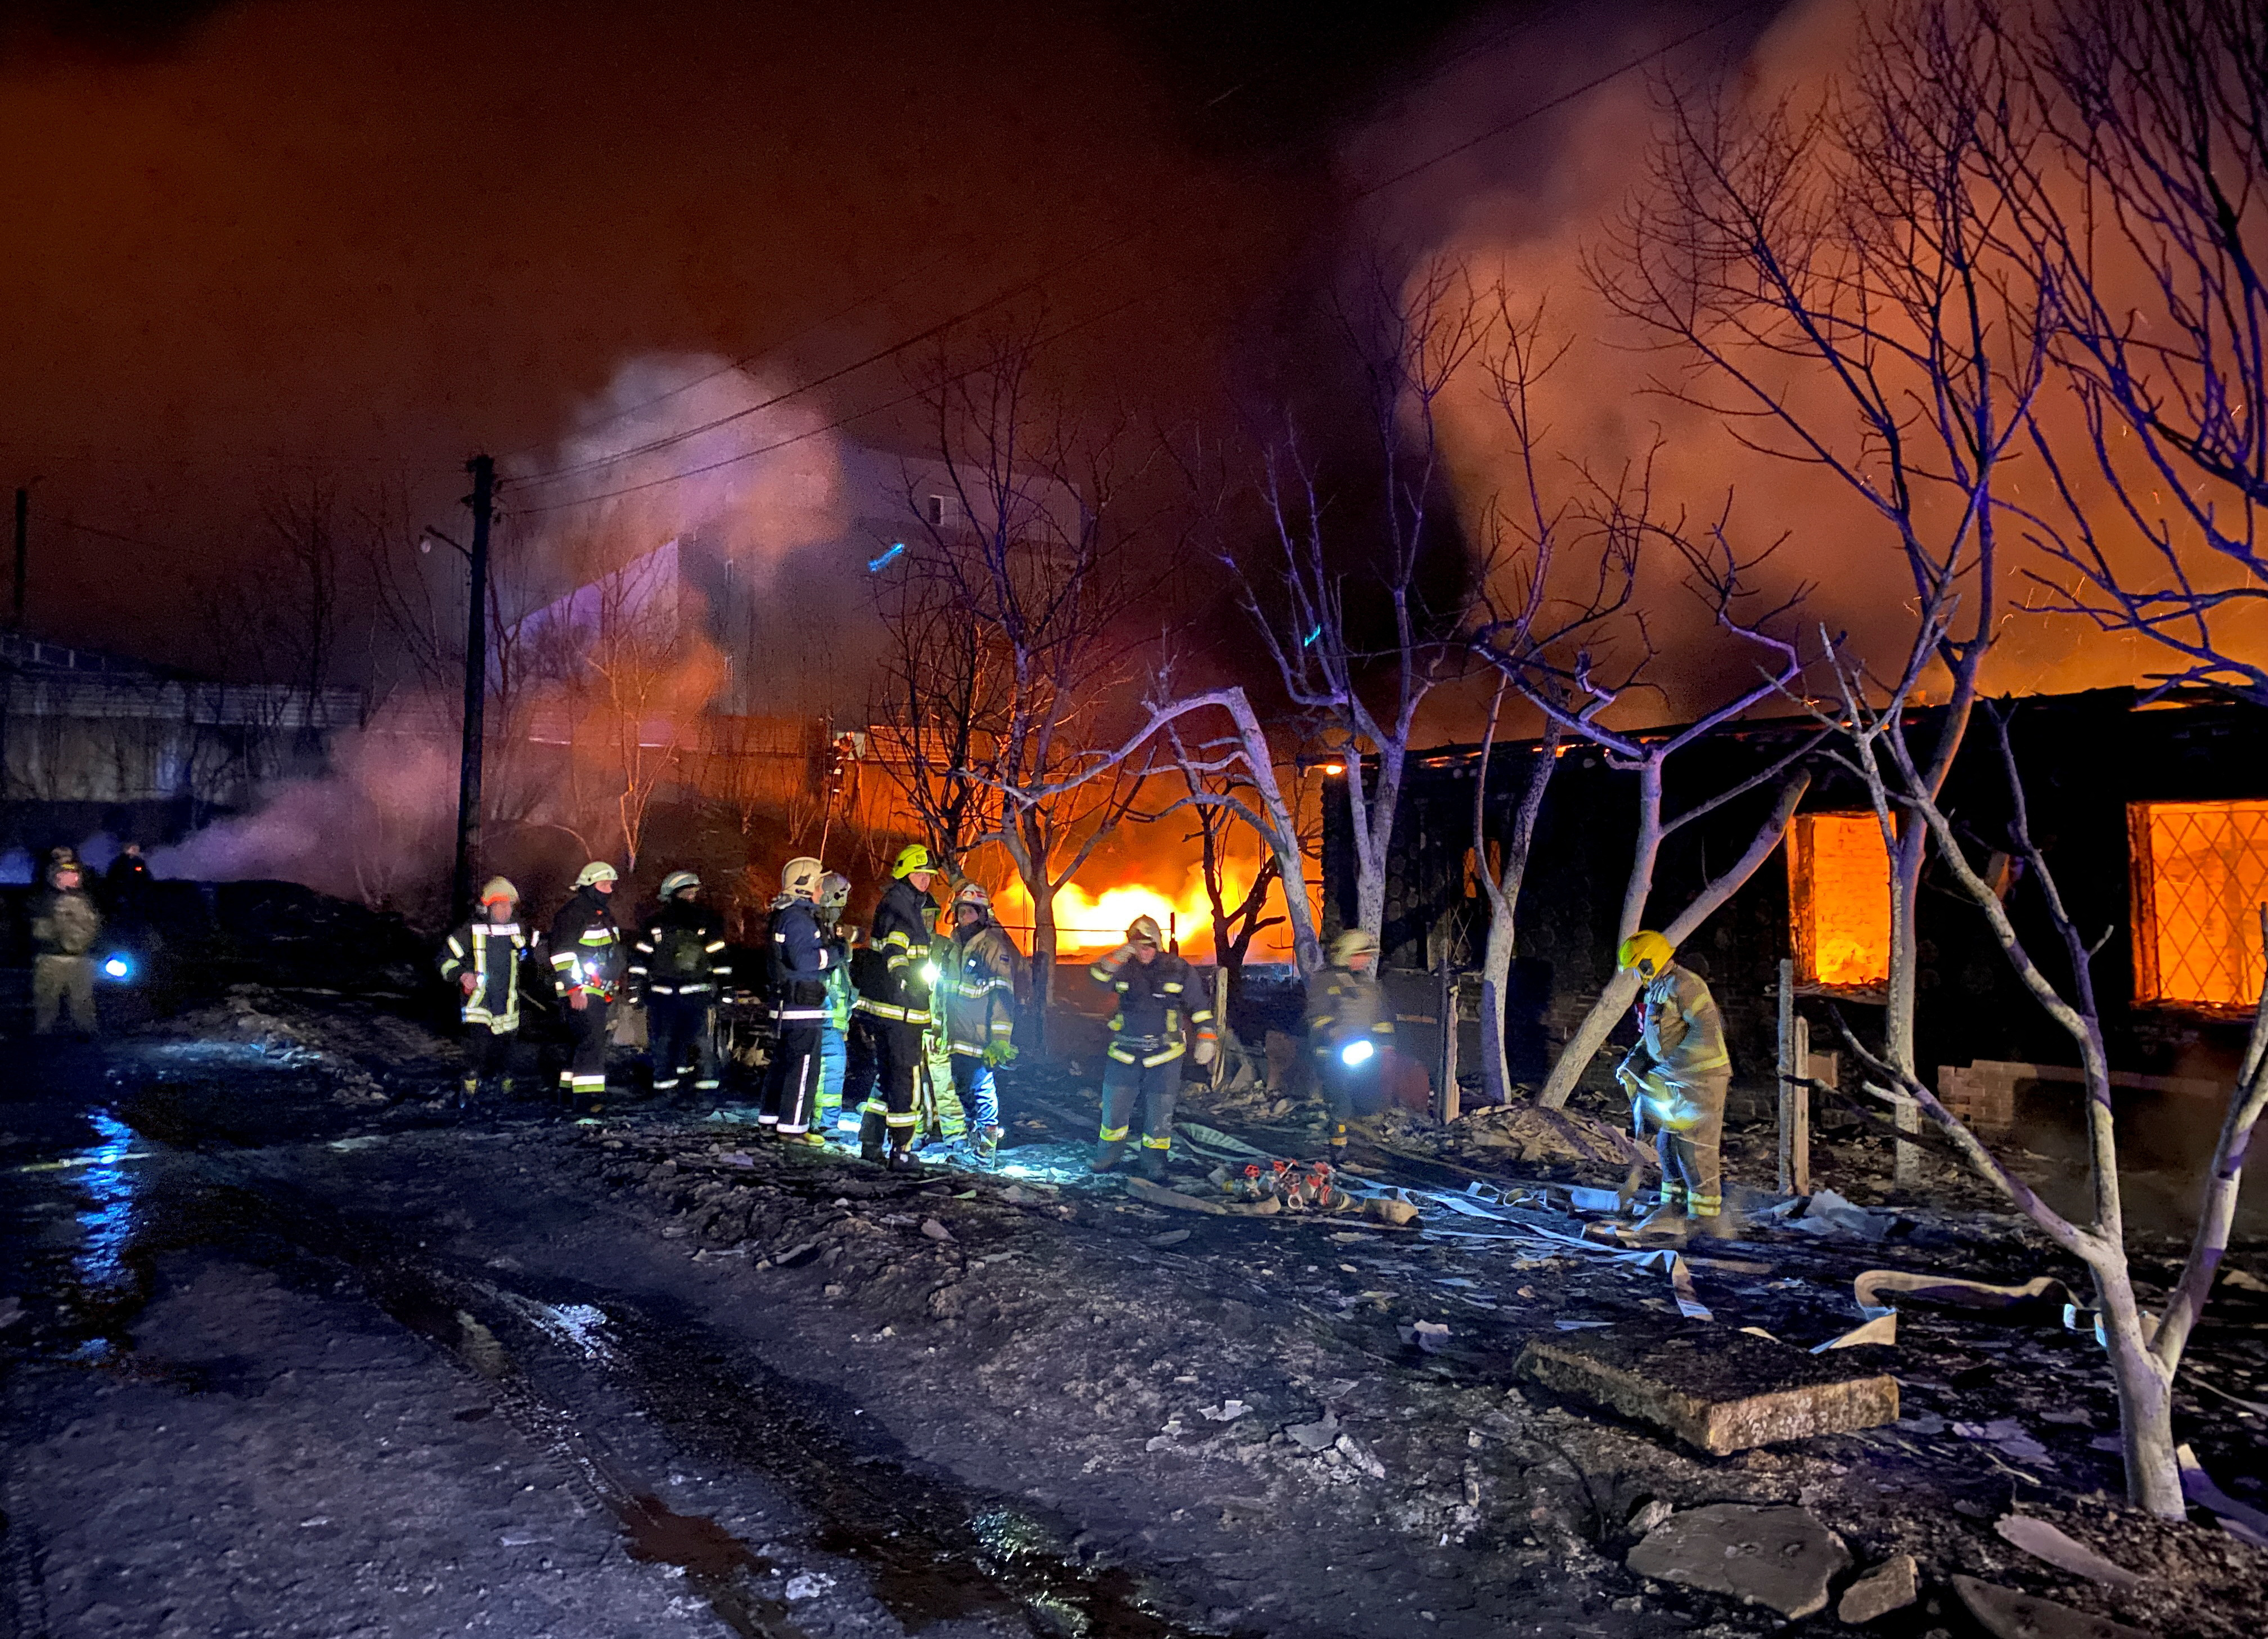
{"points": [[1088, 920], [1839, 891]]}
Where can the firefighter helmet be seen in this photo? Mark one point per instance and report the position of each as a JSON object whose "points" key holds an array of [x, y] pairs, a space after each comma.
{"points": [[976, 895], [677, 882], [834, 889], [596, 871], [1353, 943], [911, 858], [498, 888], [1143, 930], [799, 878], [1645, 953]]}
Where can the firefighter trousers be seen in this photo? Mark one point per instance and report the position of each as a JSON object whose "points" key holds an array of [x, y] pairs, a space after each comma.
{"points": [[1155, 1087], [1692, 1168], [584, 1075], [792, 1083], [834, 1065], [887, 1110], [980, 1096], [677, 1032], [487, 1055], [58, 981]]}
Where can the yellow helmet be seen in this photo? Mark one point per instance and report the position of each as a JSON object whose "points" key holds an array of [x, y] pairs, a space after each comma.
{"points": [[911, 858], [596, 871], [498, 888], [1144, 931], [1647, 952], [1353, 943]]}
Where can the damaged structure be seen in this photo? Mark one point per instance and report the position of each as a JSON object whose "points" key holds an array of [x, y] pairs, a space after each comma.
{"points": [[2155, 810]]}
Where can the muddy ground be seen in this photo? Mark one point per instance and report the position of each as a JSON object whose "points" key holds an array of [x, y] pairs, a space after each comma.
{"points": [[293, 1346]]}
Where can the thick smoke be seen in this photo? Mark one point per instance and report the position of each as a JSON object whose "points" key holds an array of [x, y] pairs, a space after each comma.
{"points": [[605, 682]]}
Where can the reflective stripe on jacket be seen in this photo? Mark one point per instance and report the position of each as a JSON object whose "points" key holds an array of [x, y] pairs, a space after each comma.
{"points": [[491, 952], [1155, 1008], [980, 989], [1684, 1033]]}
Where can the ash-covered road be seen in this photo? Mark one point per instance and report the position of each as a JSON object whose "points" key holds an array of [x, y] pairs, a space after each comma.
{"points": [[293, 1347]]}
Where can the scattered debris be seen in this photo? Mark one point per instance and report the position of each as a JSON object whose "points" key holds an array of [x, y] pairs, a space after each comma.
{"points": [[935, 1231], [2008, 1615], [1316, 1435], [2044, 1542], [1718, 1390], [2240, 1520], [1227, 1411], [1432, 1336], [807, 1584], [1829, 1214], [1776, 1556], [1891, 1585]]}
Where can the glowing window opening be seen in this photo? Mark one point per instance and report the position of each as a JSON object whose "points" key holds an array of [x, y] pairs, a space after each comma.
{"points": [[1838, 898], [2200, 874]]}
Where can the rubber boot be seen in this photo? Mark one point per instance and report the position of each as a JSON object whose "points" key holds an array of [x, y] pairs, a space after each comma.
{"points": [[1152, 1165], [468, 1088], [903, 1160], [986, 1144], [870, 1153]]}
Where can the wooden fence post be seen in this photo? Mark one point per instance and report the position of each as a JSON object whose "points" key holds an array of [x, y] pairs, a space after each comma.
{"points": [[1445, 1097]]}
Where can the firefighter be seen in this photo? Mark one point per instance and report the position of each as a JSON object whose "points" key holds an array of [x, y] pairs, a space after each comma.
{"points": [[1677, 1077], [678, 966], [481, 959], [893, 1001], [1349, 1030], [834, 1033], [803, 961], [1149, 1034], [980, 1011], [65, 926], [587, 966]]}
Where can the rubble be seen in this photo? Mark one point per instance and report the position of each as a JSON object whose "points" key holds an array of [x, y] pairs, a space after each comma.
{"points": [[2044, 1542], [1891, 1585], [2005, 1614], [1776, 1556], [1718, 1390]]}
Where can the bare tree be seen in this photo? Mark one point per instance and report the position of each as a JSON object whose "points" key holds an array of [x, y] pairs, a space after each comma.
{"points": [[1233, 927], [942, 703], [1563, 672], [1830, 280], [1339, 596], [2146, 205], [1028, 567]]}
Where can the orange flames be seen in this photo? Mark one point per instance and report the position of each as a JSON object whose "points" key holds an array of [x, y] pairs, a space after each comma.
{"points": [[1839, 896], [1088, 920]]}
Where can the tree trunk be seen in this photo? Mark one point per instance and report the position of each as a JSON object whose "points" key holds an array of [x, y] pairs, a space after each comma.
{"points": [[2145, 1399], [1496, 973], [1905, 885]]}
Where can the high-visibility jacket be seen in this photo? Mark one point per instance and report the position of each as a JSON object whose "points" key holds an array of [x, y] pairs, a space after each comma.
{"points": [[891, 983], [683, 952], [1345, 1007], [979, 983], [1683, 1034], [588, 952], [491, 952], [1156, 1008]]}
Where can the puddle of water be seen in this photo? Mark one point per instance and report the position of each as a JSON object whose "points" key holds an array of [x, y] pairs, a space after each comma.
{"points": [[107, 1224]]}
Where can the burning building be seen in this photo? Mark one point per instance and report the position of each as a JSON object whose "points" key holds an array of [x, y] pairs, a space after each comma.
{"points": [[2154, 812]]}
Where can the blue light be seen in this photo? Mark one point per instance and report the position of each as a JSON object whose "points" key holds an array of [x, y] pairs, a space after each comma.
{"points": [[118, 967], [1355, 1053], [875, 566], [1308, 642]]}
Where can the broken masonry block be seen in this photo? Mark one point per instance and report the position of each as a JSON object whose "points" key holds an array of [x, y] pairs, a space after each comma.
{"points": [[1773, 1555], [1716, 1389], [2007, 1614], [1891, 1585]]}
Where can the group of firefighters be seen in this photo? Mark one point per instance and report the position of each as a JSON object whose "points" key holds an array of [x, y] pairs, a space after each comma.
{"points": [[910, 1022]]}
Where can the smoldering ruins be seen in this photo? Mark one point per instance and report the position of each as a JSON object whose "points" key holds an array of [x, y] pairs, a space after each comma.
{"points": [[1112, 821]]}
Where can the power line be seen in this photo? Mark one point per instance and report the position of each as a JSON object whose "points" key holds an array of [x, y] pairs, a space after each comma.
{"points": [[1633, 64]]}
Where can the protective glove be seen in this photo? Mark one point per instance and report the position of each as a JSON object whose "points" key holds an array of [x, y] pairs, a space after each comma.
{"points": [[999, 1053], [578, 1000], [1204, 1051]]}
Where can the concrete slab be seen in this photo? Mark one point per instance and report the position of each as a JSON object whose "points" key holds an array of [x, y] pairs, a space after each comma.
{"points": [[2007, 1614], [1716, 1388], [1779, 1557], [1891, 1585]]}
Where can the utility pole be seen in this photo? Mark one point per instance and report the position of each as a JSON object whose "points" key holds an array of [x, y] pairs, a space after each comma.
{"points": [[476, 676], [23, 550]]}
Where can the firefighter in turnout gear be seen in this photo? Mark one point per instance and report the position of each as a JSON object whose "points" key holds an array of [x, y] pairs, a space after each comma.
{"points": [[979, 983], [803, 962], [1149, 1034], [678, 967], [1677, 1077], [65, 926], [894, 1001], [1349, 1030], [588, 966], [834, 1033], [481, 959]]}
